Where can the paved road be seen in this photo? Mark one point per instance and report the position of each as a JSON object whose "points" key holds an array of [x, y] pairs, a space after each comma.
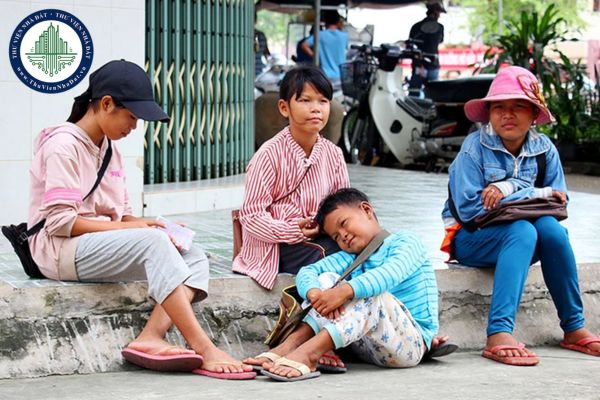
{"points": [[583, 183]]}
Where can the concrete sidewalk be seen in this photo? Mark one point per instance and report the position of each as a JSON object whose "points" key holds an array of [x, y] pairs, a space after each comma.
{"points": [[561, 374]]}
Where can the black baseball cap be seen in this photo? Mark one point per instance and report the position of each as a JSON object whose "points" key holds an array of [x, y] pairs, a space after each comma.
{"points": [[436, 5], [127, 83]]}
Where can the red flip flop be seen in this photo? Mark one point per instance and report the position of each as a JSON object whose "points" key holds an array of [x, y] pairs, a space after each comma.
{"points": [[527, 361], [163, 363], [224, 375], [332, 369], [581, 345]]}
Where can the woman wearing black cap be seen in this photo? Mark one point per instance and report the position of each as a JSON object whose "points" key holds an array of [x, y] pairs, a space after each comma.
{"points": [[89, 234]]}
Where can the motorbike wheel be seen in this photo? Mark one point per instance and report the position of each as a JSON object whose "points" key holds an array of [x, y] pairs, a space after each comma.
{"points": [[357, 138]]}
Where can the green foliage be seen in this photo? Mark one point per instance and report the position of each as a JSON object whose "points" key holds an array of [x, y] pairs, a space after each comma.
{"points": [[274, 26], [483, 21], [527, 37], [574, 104]]}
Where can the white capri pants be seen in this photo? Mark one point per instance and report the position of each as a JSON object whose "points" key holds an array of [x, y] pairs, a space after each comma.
{"points": [[126, 255], [379, 329]]}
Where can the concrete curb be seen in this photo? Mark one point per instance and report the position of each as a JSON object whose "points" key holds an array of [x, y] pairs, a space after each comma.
{"points": [[81, 328]]}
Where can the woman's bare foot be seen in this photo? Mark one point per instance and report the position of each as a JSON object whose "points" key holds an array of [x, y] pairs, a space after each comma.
{"points": [[157, 347], [505, 338], [583, 333]]}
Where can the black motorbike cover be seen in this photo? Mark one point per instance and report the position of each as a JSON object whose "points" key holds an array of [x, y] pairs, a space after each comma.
{"points": [[459, 90]]}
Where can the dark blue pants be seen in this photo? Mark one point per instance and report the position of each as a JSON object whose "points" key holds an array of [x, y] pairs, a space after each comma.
{"points": [[512, 248], [292, 257]]}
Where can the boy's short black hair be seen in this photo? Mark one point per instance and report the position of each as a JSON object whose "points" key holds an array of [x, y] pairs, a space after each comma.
{"points": [[293, 82], [343, 197]]}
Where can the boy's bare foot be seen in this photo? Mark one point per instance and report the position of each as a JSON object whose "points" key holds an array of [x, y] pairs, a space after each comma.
{"points": [[298, 355], [157, 347], [332, 359], [438, 341], [308, 354], [296, 338], [505, 338], [283, 349], [216, 360]]}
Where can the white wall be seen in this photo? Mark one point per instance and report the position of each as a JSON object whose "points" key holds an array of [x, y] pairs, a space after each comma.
{"points": [[117, 29], [392, 25]]}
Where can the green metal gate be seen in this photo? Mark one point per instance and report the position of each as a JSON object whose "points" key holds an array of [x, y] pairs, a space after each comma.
{"points": [[199, 56]]}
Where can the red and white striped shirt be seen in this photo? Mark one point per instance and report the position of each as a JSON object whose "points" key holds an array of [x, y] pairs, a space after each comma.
{"points": [[276, 170]]}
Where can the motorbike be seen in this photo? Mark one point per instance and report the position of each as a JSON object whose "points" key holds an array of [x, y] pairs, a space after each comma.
{"points": [[386, 121]]}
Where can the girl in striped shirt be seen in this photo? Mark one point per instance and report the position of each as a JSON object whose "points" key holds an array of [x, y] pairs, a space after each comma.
{"points": [[387, 312], [286, 180]]}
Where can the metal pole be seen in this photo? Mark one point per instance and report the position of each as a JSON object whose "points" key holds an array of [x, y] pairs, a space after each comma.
{"points": [[316, 33], [500, 18]]}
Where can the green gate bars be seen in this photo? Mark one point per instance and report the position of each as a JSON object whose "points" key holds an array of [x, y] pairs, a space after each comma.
{"points": [[199, 56]]}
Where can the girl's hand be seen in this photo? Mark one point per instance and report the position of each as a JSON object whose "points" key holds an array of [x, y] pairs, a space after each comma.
{"points": [[560, 196], [309, 228], [141, 223], [491, 197]]}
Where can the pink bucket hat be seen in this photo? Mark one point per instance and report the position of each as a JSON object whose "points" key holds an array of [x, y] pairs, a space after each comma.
{"points": [[510, 83]]}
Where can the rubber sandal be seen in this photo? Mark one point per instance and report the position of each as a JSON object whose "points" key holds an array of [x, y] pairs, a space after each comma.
{"points": [[163, 363], [581, 345], [305, 372], [527, 361]]}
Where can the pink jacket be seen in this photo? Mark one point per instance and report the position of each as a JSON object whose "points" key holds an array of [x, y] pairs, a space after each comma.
{"points": [[63, 171]]}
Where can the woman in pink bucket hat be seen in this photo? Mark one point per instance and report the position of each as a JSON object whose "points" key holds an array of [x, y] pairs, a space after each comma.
{"points": [[508, 160]]}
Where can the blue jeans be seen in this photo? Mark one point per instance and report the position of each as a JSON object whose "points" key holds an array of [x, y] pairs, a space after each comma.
{"points": [[415, 85], [512, 248]]}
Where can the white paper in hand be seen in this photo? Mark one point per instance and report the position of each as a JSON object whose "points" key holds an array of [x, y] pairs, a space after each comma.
{"points": [[181, 235]]}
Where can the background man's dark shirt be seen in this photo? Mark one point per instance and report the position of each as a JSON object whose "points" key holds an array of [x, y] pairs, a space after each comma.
{"points": [[431, 33]]}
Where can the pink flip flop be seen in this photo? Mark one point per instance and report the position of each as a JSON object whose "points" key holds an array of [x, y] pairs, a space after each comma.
{"points": [[163, 363], [527, 361], [581, 345], [237, 376]]}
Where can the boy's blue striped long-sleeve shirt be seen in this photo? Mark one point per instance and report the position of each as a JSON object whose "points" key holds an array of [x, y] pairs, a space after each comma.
{"points": [[400, 266]]}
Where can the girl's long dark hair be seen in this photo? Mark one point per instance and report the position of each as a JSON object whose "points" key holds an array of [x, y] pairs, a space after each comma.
{"points": [[80, 106], [83, 102]]}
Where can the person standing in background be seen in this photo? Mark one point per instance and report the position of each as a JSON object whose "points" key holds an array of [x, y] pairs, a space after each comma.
{"points": [[332, 46], [261, 48], [301, 56], [428, 34]]}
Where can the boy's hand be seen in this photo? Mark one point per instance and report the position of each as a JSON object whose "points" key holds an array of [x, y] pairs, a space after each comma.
{"points": [[309, 228], [328, 301], [312, 295], [336, 314]]}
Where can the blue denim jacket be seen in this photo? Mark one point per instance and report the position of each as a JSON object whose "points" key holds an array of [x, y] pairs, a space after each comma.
{"points": [[483, 160]]}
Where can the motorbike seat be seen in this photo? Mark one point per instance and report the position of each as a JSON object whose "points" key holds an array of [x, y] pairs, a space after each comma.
{"points": [[419, 109], [459, 90], [423, 103]]}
